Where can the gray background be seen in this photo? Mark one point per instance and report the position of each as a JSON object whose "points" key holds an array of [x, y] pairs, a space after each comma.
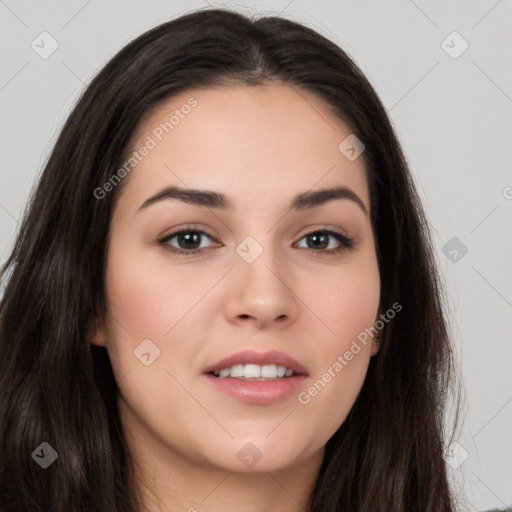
{"points": [[452, 115]]}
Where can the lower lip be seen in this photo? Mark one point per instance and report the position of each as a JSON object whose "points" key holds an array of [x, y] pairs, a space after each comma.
{"points": [[258, 392]]}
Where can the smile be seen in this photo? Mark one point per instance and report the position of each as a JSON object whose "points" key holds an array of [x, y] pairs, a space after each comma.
{"points": [[255, 371]]}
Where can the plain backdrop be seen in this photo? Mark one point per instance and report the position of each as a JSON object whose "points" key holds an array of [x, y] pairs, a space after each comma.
{"points": [[442, 69]]}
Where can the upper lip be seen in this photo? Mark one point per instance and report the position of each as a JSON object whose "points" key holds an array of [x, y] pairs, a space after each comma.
{"points": [[261, 358]]}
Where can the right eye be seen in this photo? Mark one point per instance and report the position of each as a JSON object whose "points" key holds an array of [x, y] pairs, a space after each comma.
{"points": [[188, 241]]}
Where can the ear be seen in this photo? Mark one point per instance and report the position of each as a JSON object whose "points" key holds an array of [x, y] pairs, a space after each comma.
{"points": [[375, 345], [98, 336], [376, 340]]}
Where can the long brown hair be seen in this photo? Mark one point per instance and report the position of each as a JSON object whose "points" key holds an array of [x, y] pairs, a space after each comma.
{"points": [[58, 388]]}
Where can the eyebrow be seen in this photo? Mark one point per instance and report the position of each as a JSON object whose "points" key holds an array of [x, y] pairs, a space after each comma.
{"points": [[211, 199]]}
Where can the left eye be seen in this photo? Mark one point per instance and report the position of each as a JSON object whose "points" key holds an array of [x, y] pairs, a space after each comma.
{"points": [[189, 241]]}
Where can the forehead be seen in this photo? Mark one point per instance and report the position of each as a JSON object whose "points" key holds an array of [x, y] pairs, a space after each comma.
{"points": [[251, 142]]}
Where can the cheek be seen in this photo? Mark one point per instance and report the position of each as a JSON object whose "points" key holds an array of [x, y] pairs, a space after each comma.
{"points": [[346, 301], [148, 297], [348, 305], [148, 300], [133, 318]]}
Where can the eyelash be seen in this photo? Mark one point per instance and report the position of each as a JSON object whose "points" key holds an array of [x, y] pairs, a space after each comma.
{"points": [[346, 243]]}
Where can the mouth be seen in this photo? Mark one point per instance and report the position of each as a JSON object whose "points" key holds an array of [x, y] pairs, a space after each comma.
{"points": [[257, 378]]}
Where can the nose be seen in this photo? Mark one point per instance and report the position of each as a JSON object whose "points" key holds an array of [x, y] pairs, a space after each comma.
{"points": [[262, 292]]}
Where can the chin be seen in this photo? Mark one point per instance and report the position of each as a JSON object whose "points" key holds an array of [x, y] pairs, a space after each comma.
{"points": [[251, 456]]}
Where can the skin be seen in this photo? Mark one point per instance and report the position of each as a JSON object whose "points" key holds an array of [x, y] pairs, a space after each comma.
{"points": [[260, 146]]}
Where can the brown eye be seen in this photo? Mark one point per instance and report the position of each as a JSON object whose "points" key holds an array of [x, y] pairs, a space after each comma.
{"points": [[322, 242], [185, 241]]}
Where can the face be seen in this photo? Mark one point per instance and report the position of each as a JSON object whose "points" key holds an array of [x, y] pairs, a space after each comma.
{"points": [[262, 280]]}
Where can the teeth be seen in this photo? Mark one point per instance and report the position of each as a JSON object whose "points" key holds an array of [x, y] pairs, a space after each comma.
{"points": [[270, 371], [236, 371], [252, 371], [255, 371]]}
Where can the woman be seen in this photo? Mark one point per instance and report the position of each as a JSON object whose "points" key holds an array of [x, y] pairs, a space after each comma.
{"points": [[294, 357]]}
